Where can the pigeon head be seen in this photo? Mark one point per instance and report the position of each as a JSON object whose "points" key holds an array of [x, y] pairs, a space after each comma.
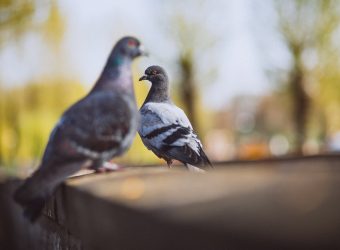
{"points": [[117, 74], [128, 47], [159, 91], [155, 74]]}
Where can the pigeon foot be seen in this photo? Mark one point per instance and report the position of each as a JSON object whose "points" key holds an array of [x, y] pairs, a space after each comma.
{"points": [[108, 167], [169, 162]]}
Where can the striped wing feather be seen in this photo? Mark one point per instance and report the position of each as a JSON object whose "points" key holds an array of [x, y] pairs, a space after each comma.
{"points": [[166, 131]]}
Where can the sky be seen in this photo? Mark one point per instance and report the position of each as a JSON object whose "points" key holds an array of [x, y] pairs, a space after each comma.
{"points": [[92, 27]]}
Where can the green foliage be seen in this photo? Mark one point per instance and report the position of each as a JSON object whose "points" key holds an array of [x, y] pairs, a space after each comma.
{"points": [[29, 114], [54, 27], [16, 15]]}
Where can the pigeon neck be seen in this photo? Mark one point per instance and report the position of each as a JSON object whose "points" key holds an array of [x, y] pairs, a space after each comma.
{"points": [[158, 93], [116, 75]]}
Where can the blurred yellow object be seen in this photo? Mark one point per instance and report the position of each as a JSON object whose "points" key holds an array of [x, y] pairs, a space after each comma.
{"points": [[253, 151], [132, 188]]}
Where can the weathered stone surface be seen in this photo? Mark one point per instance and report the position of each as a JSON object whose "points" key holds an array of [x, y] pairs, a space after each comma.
{"points": [[17, 233], [288, 204]]}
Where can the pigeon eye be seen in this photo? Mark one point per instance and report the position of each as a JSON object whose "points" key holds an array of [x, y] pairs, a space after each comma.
{"points": [[132, 43]]}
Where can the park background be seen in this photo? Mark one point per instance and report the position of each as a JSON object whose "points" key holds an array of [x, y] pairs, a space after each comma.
{"points": [[257, 78]]}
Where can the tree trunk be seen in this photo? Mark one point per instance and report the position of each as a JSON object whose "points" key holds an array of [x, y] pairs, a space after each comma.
{"points": [[187, 88], [301, 104]]}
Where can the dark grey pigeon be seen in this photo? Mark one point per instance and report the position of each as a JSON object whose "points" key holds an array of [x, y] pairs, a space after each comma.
{"points": [[165, 129], [97, 128]]}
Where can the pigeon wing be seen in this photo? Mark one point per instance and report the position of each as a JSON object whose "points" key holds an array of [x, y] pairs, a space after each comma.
{"points": [[166, 130], [100, 126]]}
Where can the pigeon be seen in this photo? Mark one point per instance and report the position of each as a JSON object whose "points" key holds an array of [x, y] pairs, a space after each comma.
{"points": [[91, 132], [165, 129]]}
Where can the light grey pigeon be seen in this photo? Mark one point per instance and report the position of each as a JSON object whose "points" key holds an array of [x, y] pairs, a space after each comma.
{"points": [[165, 129], [97, 128]]}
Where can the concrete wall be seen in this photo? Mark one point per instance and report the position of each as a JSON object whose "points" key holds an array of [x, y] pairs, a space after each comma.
{"points": [[18, 233], [287, 204]]}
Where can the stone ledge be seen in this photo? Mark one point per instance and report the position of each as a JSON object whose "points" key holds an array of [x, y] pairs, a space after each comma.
{"points": [[294, 205]]}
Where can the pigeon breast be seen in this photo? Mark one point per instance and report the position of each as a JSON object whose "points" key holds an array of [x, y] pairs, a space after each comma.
{"points": [[100, 126], [164, 124]]}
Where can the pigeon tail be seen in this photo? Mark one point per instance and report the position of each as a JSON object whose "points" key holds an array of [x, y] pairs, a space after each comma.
{"points": [[205, 158], [32, 196], [34, 209], [37, 189]]}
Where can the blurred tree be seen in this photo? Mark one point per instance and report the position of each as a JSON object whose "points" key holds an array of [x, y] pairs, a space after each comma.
{"points": [[54, 27], [307, 27], [2, 115], [195, 44], [20, 16], [187, 85], [16, 16], [29, 115], [20, 108]]}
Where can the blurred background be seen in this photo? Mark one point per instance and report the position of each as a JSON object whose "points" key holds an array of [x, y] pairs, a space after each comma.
{"points": [[257, 78]]}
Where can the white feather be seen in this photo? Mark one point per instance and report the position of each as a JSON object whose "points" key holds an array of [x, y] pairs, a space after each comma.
{"points": [[194, 169], [157, 115], [153, 113]]}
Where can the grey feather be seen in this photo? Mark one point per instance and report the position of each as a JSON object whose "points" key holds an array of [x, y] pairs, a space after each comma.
{"points": [[97, 128]]}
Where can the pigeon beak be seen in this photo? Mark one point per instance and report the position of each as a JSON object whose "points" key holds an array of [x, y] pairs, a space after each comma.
{"points": [[144, 77], [142, 51]]}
